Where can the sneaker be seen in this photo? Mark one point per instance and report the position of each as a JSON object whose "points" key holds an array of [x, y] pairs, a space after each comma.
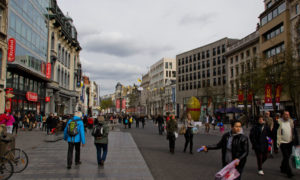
{"points": [[78, 163], [260, 172]]}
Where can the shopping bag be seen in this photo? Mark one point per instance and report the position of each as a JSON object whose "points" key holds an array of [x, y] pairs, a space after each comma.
{"points": [[228, 172], [176, 134], [182, 130], [195, 130], [296, 157]]}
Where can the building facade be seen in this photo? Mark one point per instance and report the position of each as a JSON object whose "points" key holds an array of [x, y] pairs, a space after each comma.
{"points": [[202, 73], [63, 56], [242, 57], [160, 73], [3, 51], [145, 93], [26, 71]]}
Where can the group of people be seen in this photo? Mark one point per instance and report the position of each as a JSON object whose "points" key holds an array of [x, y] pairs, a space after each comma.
{"points": [[234, 144], [128, 120], [74, 134]]}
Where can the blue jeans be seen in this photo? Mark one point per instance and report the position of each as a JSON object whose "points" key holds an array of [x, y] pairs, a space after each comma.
{"points": [[99, 147]]}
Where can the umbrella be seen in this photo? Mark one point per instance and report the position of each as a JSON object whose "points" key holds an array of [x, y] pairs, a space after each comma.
{"points": [[233, 110]]}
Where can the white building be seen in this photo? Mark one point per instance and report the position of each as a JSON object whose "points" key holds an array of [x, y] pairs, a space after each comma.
{"points": [[160, 73]]}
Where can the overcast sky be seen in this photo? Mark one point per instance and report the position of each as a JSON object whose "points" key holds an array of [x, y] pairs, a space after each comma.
{"points": [[121, 39]]}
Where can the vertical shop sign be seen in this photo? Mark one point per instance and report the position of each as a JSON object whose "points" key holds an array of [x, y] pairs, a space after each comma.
{"points": [[268, 95], [48, 70], [11, 52]]}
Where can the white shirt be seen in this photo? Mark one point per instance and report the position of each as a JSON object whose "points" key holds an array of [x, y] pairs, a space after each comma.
{"points": [[286, 132]]}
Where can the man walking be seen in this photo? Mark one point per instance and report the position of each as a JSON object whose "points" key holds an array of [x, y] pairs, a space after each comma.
{"points": [[286, 138], [234, 145], [160, 122], [74, 133], [100, 133]]}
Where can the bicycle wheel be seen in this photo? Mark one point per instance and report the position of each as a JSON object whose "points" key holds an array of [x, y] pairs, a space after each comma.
{"points": [[18, 158], [6, 168]]}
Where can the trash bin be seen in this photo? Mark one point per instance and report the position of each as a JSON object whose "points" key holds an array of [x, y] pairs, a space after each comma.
{"points": [[9, 144]]}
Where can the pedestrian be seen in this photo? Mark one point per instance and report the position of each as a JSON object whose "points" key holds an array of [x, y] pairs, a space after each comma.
{"points": [[214, 122], [207, 123], [258, 137], [269, 120], [74, 134], [234, 145], [9, 123], [130, 122], [101, 131], [189, 124], [286, 138], [125, 121], [39, 120], [274, 132], [44, 125], [90, 124], [137, 122], [143, 121], [160, 122], [172, 128], [17, 117]]}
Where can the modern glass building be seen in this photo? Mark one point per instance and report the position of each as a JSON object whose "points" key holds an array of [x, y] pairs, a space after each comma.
{"points": [[27, 24]]}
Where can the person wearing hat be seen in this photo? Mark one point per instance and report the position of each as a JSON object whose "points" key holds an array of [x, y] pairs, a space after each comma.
{"points": [[101, 140]]}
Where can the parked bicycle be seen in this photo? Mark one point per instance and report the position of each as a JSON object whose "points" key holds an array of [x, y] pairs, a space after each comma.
{"points": [[6, 168]]}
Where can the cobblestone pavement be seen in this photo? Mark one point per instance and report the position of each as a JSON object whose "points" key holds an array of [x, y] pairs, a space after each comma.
{"points": [[48, 160]]}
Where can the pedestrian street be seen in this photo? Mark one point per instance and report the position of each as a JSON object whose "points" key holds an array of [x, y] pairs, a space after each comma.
{"points": [[48, 160]]}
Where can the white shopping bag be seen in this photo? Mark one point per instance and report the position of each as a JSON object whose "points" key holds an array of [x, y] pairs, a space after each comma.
{"points": [[228, 172]]}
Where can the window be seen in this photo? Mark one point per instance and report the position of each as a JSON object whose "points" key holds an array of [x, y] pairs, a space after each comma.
{"points": [[242, 55], [195, 77], [194, 59], [1, 17], [218, 51], [208, 73], [198, 56], [281, 8], [207, 54], [191, 76], [21, 83], [199, 75], [178, 62], [179, 78], [203, 74], [214, 51], [199, 65], [166, 65], [167, 73], [203, 55], [170, 73], [203, 64], [219, 70], [182, 61], [247, 53], [236, 58], [214, 61], [191, 67], [219, 81], [199, 84], [237, 70], [297, 8], [52, 40], [186, 68], [195, 85], [190, 59], [223, 70], [231, 60], [214, 72], [208, 83], [207, 63], [224, 80], [219, 60], [15, 81], [174, 74], [223, 48], [186, 60], [273, 32], [195, 67], [215, 82], [203, 83]]}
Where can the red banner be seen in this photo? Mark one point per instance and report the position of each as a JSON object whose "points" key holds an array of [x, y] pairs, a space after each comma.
{"points": [[240, 95], [11, 52], [268, 95], [118, 104], [8, 100], [124, 104], [250, 96], [47, 99], [31, 96], [278, 93], [48, 70]]}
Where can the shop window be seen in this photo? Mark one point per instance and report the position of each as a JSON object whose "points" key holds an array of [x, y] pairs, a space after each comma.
{"points": [[21, 83], [9, 79]]}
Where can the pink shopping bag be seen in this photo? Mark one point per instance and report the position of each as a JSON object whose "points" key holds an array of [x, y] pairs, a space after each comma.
{"points": [[228, 172]]}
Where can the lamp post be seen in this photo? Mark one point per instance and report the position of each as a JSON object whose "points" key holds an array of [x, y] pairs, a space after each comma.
{"points": [[245, 88]]}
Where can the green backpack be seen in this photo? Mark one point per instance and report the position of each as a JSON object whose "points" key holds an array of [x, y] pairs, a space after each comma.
{"points": [[72, 128]]}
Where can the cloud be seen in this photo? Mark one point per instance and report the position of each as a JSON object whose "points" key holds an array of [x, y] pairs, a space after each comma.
{"points": [[202, 19], [116, 44]]}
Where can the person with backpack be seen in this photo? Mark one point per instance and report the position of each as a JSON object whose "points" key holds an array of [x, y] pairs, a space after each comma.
{"points": [[74, 134], [100, 133]]}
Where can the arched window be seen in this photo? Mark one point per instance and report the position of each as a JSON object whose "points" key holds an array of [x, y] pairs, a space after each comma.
{"points": [[52, 41], [58, 52], [62, 77]]}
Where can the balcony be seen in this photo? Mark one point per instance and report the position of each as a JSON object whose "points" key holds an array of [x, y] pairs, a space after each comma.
{"points": [[53, 55], [243, 42]]}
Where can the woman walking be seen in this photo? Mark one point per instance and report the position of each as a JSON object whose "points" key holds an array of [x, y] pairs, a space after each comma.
{"points": [[258, 138], [189, 123], [172, 128]]}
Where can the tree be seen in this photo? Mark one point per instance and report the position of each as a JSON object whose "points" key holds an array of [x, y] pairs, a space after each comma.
{"points": [[106, 103]]}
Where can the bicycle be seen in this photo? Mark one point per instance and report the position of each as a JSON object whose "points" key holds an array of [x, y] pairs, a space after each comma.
{"points": [[6, 168], [17, 157]]}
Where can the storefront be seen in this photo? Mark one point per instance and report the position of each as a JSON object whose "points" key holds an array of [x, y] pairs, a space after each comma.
{"points": [[28, 91]]}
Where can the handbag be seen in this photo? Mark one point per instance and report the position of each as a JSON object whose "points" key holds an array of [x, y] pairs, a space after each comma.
{"points": [[176, 134], [194, 130], [182, 130], [296, 157]]}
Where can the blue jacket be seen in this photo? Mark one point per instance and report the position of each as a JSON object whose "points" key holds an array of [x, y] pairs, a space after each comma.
{"points": [[80, 137]]}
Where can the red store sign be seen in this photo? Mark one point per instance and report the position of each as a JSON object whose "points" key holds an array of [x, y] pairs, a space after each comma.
{"points": [[47, 99], [31, 96], [48, 70], [11, 50]]}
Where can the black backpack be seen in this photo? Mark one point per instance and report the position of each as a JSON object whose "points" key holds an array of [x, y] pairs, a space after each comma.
{"points": [[72, 129], [97, 130]]}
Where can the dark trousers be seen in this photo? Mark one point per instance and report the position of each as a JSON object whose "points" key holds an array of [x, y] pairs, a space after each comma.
{"points": [[188, 139], [70, 152], [261, 157], [286, 149], [160, 129], [15, 127], [172, 143], [99, 148]]}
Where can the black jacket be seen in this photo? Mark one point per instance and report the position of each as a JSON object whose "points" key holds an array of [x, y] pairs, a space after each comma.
{"points": [[160, 120], [240, 148], [258, 137]]}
